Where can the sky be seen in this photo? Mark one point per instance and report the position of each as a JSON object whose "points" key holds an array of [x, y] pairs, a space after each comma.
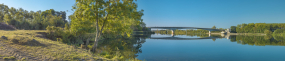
{"points": [[184, 13]]}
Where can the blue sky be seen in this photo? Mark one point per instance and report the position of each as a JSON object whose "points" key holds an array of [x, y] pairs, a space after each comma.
{"points": [[187, 13]]}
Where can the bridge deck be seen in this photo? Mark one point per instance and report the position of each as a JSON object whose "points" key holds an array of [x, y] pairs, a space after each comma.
{"points": [[174, 28]]}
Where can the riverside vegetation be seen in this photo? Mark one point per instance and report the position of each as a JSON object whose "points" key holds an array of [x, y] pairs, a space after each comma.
{"points": [[47, 35], [97, 30], [273, 29]]}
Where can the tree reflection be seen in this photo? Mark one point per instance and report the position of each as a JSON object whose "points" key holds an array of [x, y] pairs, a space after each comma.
{"points": [[258, 40], [214, 39], [121, 49]]}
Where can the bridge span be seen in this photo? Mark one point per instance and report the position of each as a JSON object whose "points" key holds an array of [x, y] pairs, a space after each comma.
{"points": [[175, 28]]}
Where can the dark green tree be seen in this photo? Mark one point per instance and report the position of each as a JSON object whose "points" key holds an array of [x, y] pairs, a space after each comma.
{"points": [[233, 29]]}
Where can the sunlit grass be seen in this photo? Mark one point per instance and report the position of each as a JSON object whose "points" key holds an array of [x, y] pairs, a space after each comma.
{"points": [[47, 48], [11, 57]]}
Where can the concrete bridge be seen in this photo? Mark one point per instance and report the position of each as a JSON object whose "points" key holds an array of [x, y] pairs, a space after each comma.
{"points": [[175, 28], [227, 36], [177, 38]]}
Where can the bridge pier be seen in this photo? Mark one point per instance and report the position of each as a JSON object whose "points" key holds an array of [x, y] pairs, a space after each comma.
{"points": [[173, 32], [209, 32]]}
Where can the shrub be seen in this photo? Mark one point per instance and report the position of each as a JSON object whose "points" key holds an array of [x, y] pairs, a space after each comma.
{"points": [[267, 32], [278, 31], [65, 36]]}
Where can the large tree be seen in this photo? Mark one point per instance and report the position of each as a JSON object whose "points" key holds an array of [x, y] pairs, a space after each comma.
{"points": [[233, 29], [113, 16]]}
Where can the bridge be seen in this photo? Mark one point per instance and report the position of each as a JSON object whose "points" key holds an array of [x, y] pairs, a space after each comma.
{"points": [[175, 28], [177, 38], [227, 36]]}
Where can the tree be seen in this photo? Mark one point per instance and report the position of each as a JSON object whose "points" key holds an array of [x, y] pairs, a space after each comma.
{"points": [[268, 32], [233, 29], [7, 19], [116, 16], [278, 31], [214, 27]]}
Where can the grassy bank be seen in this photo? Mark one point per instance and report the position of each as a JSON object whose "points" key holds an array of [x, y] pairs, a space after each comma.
{"points": [[29, 44]]}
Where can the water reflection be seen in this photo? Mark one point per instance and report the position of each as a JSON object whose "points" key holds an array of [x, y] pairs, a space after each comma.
{"points": [[168, 47], [121, 49], [258, 40]]}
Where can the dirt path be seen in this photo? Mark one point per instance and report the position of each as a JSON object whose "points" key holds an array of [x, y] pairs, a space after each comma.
{"points": [[7, 51]]}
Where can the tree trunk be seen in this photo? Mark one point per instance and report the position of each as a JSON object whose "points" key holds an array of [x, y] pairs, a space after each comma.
{"points": [[97, 33], [96, 38]]}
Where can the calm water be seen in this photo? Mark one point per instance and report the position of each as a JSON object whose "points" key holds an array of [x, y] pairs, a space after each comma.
{"points": [[216, 48]]}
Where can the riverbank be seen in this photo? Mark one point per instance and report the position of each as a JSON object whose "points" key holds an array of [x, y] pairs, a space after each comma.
{"points": [[33, 45]]}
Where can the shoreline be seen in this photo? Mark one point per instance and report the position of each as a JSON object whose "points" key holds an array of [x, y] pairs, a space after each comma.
{"points": [[241, 33]]}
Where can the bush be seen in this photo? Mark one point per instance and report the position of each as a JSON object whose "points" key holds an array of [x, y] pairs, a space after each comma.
{"points": [[267, 32], [278, 31], [65, 36]]}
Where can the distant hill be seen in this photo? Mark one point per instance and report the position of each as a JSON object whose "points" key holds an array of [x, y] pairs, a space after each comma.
{"points": [[4, 26]]}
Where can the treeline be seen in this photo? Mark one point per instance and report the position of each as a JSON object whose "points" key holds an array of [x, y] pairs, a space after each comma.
{"points": [[61, 30], [30, 20], [279, 34], [256, 27]]}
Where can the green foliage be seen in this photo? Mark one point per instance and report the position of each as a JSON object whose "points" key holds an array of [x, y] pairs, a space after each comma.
{"points": [[259, 40], [57, 33], [233, 29], [23, 19], [279, 34], [268, 32], [108, 18], [65, 36], [278, 31], [7, 19], [214, 27], [258, 27], [121, 49]]}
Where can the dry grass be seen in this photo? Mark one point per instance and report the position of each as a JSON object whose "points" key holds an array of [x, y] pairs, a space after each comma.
{"points": [[26, 41], [11, 57]]}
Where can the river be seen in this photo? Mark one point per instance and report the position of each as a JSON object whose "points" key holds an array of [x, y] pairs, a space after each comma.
{"points": [[157, 47]]}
